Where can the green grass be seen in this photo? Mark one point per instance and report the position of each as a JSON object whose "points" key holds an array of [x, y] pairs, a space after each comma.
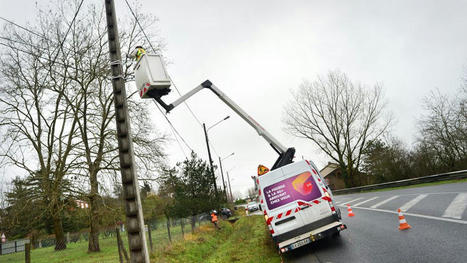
{"points": [[245, 241], [77, 252], [416, 185]]}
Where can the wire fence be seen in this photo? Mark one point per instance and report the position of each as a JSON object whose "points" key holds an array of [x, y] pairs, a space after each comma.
{"points": [[13, 246], [113, 242]]}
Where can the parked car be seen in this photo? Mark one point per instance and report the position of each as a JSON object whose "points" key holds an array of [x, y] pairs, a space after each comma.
{"points": [[225, 212], [204, 216], [252, 206]]}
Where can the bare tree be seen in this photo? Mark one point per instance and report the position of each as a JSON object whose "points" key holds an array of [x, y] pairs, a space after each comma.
{"points": [[99, 150], [443, 130], [340, 117], [86, 95], [39, 129]]}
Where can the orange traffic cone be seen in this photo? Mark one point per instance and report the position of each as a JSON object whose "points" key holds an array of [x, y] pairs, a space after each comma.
{"points": [[402, 223], [349, 209]]}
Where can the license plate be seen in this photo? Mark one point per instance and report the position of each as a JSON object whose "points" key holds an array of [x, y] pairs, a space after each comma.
{"points": [[300, 243]]}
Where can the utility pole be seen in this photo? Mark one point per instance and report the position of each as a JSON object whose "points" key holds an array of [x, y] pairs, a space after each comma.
{"points": [[230, 187], [223, 182], [131, 194], [210, 160]]}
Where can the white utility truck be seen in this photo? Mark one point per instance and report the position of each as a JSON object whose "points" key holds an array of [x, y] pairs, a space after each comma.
{"points": [[297, 204]]}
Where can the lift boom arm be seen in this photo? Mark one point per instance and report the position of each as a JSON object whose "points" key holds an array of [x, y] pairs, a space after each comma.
{"points": [[285, 154]]}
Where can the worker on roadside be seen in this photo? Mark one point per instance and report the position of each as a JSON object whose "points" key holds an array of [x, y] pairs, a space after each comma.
{"points": [[138, 53], [214, 218]]}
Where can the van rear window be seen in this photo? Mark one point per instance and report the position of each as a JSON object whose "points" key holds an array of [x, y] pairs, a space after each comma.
{"points": [[299, 187]]}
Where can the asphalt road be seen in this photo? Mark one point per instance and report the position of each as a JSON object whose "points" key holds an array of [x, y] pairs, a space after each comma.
{"points": [[437, 214]]}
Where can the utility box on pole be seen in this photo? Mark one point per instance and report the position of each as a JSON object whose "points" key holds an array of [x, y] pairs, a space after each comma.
{"points": [[150, 74]]}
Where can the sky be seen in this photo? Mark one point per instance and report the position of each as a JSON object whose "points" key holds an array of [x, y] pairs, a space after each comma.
{"points": [[257, 52]]}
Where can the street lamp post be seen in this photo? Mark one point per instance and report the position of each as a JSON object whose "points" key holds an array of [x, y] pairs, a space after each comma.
{"points": [[209, 152], [222, 173]]}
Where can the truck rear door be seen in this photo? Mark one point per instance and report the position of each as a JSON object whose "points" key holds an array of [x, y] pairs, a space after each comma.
{"points": [[310, 192], [277, 203], [293, 196]]}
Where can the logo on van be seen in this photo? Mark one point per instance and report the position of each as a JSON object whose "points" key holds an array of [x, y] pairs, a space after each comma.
{"points": [[299, 187], [302, 183]]}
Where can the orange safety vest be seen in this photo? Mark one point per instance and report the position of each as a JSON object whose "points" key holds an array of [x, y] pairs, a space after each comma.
{"points": [[213, 218]]}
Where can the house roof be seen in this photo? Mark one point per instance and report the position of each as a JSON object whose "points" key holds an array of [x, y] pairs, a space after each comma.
{"points": [[328, 169]]}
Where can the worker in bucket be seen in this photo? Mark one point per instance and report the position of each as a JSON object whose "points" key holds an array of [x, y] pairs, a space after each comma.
{"points": [[138, 53], [214, 218]]}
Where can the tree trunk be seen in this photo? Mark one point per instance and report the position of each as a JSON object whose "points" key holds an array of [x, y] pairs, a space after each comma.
{"points": [[193, 222], [93, 245], [121, 247], [150, 236], [168, 230], [60, 242], [182, 226]]}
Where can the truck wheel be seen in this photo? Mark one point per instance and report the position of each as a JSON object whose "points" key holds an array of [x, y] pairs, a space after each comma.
{"points": [[336, 235]]}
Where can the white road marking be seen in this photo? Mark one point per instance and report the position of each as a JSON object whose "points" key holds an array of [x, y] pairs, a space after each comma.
{"points": [[346, 202], [413, 202], [385, 201], [456, 207], [415, 215], [340, 200], [362, 202]]}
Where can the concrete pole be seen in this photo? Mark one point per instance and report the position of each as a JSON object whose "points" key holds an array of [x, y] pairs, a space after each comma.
{"points": [[223, 181], [131, 194], [210, 160], [230, 187]]}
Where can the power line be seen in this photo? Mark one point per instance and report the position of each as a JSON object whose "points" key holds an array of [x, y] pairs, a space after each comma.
{"points": [[165, 116], [45, 58], [24, 28], [41, 57], [68, 30], [40, 35], [62, 42], [60, 46], [174, 130], [186, 104], [154, 50], [137, 21]]}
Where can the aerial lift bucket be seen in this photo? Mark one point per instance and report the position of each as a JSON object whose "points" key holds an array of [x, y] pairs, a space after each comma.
{"points": [[151, 76]]}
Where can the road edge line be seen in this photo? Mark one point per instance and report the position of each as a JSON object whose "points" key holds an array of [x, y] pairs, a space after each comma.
{"points": [[414, 215]]}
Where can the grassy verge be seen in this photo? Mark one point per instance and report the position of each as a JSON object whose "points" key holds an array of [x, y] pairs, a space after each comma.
{"points": [[77, 252], [245, 241], [414, 186]]}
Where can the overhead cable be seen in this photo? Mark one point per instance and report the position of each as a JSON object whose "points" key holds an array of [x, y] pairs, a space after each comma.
{"points": [[154, 50]]}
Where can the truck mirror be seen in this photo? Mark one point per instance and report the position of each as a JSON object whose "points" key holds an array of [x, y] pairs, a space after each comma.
{"points": [[151, 77]]}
